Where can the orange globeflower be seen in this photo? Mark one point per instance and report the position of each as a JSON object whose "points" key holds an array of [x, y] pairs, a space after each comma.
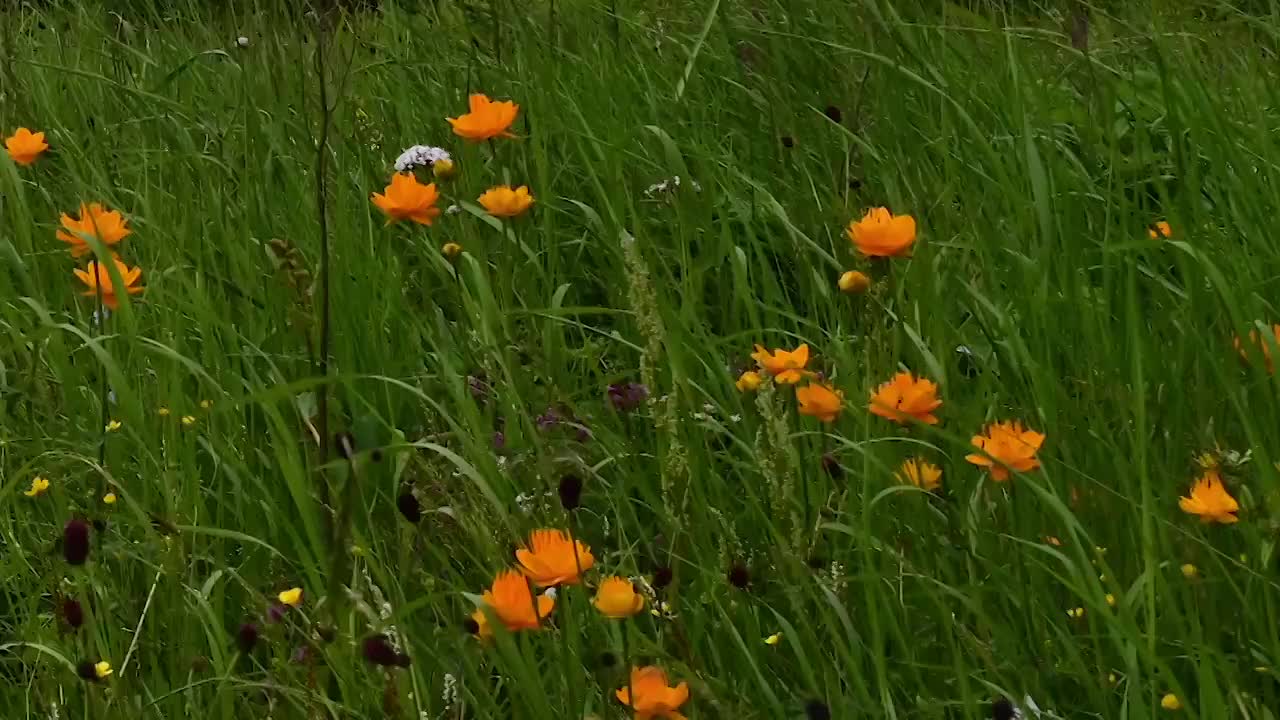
{"points": [[653, 697], [921, 473], [1210, 500], [408, 199], [99, 278], [487, 119], [1263, 347], [1159, 229], [820, 401], [502, 201], [1007, 445], [617, 598], [512, 603], [881, 234], [109, 227], [552, 558], [25, 146], [905, 397], [786, 367]]}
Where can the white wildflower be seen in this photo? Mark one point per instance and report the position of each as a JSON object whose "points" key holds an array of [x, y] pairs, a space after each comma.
{"points": [[242, 41], [450, 693], [420, 156]]}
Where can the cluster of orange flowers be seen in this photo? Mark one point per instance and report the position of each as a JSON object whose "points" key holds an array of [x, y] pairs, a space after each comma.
{"points": [[95, 222], [553, 558], [904, 399], [408, 199]]}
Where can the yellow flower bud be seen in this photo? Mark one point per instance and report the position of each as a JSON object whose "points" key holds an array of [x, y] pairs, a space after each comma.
{"points": [[451, 250], [749, 381], [443, 169], [1190, 571], [854, 282], [1170, 702]]}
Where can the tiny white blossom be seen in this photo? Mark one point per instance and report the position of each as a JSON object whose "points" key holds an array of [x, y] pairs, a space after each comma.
{"points": [[550, 592], [420, 156], [453, 209], [242, 41]]}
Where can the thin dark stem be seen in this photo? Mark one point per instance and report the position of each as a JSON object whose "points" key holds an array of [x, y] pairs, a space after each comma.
{"points": [[322, 171]]}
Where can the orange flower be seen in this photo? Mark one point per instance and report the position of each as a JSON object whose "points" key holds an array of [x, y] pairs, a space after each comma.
{"points": [[1007, 445], [906, 397], [512, 602], [785, 367], [97, 277], [408, 199], [1263, 348], [487, 119], [95, 221], [1210, 500], [552, 558], [617, 598], [922, 474], [502, 201], [653, 697], [820, 401], [1159, 230], [25, 146], [880, 234]]}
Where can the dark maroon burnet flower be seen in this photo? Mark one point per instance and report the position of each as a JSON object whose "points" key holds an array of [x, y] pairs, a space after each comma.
{"points": [[1002, 709], [817, 710], [87, 671], [75, 542], [549, 419], [662, 577], [409, 507], [276, 613], [72, 613], [832, 466], [499, 440], [833, 113], [570, 491], [739, 576], [625, 397], [247, 637], [478, 387], [378, 650]]}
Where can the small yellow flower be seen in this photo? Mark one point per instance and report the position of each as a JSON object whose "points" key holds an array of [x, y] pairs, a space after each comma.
{"points": [[617, 598], [924, 475], [188, 420], [451, 250], [102, 670], [1170, 702], [773, 639], [206, 404], [163, 412], [109, 498], [503, 201], [39, 486], [113, 426], [1190, 571], [749, 381], [1077, 613], [291, 597], [854, 283], [1100, 550], [1112, 679], [443, 169], [1111, 600]]}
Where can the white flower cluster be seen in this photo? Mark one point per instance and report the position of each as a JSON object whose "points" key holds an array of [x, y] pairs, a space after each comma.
{"points": [[420, 156], [670, 185]]}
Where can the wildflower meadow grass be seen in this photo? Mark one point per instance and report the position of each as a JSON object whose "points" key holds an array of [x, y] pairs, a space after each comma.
{"points": [[730, 359]]}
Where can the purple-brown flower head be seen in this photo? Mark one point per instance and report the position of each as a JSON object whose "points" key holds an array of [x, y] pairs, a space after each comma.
{"points": [[408, 505], [570, 491], [72, 613], [625, 397], [247, 637], [379, 651], [75, 542]]}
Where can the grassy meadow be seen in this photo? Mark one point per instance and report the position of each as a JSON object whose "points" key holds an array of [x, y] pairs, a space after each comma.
{"points": [[279, 479]]}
